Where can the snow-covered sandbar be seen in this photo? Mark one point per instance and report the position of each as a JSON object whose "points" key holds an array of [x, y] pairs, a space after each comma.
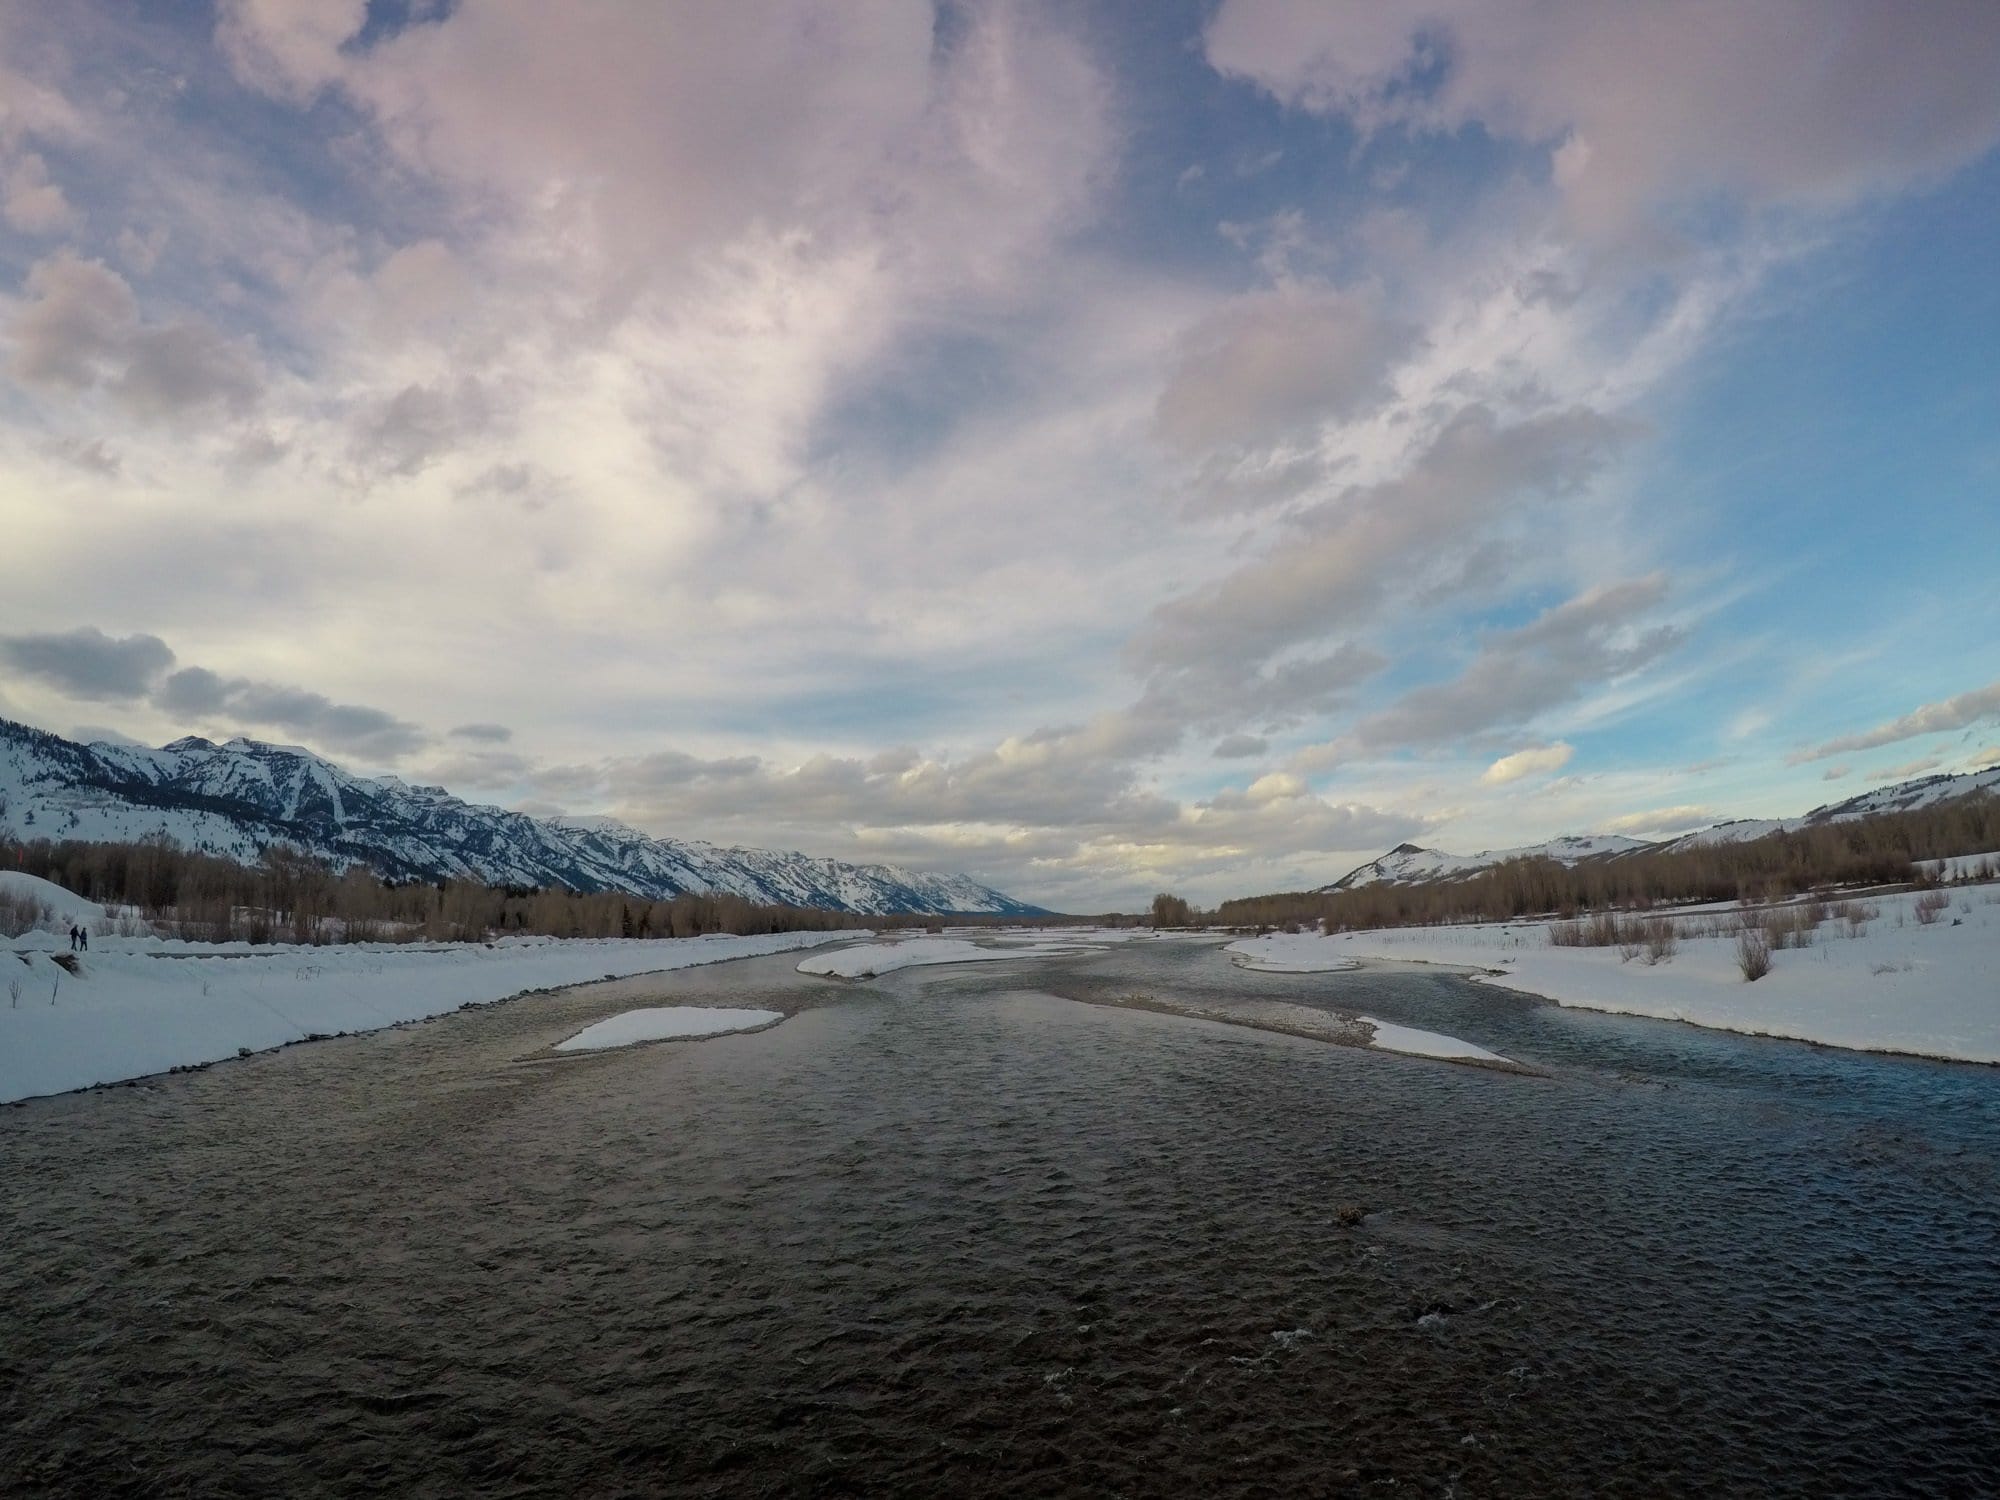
{"points": [[1886, 982], [1412, 1042], [144, 1005], [661, 1023], [1290, 953]]}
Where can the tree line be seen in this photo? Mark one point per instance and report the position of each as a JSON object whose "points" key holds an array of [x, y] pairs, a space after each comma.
{"points": [[292, 897], [1882, 849]]}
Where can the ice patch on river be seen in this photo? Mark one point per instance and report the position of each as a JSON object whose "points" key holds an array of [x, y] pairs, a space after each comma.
{"points": [[661, 1023], [1414, 1043]]}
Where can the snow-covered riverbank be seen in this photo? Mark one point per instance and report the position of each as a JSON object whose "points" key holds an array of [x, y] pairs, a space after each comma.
{"points": [[144, 1005], [1886, 983]]}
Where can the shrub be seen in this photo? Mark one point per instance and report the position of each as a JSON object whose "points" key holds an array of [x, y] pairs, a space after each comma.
{"points": [[1661, 940], [1930, 905], [1857, 915], [21, 913], [1753, 953], [1787, 927]]}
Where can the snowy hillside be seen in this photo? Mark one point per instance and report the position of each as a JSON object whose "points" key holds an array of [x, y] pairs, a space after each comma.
{"points": [[1408, 864], [1904, 796], [240, 798]]}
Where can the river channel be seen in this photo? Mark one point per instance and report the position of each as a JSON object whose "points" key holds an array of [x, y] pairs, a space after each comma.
{"points": [[984, 1230]]}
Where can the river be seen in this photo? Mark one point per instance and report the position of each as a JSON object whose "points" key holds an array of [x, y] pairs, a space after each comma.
{"points": [[974, 1231]]}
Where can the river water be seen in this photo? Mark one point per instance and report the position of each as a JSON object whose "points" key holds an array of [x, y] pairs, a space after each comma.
{"points": [[962, 1232]]}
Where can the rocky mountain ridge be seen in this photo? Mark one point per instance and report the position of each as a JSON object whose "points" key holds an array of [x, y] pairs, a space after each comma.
{"points": [[240, 798]]}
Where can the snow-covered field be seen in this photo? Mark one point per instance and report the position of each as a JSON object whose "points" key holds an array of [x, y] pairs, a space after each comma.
{"points": [[1887, 983], [144, 1005], [661, 1023]]}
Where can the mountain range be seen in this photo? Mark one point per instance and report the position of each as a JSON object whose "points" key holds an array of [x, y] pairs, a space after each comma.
{"points": [[240, 798], [1411, 864]]}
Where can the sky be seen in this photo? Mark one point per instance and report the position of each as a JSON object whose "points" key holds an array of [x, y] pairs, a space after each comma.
{"points": [[1098, 448]]}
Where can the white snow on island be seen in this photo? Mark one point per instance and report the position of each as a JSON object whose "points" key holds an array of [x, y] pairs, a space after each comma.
{"points": [[662, 1023], [1885, 980], [1390, 1037], [1290, 953]]}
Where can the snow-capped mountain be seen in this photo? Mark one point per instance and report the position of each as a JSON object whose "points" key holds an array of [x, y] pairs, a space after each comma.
{"points": [[240, 798], [1409, 864]]}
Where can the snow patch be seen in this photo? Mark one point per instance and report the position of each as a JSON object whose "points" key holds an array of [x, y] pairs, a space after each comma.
{"points": [[664, 1023], [1289, 953], [1409, 1040]]}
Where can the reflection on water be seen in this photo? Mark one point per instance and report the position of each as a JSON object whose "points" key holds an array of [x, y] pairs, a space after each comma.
{"points": [[950, 1233]]}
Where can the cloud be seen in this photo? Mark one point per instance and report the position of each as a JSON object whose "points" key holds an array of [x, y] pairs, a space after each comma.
{"points": [[520, 484], [29, 200], [1374, 542], [1043, 812], [1216, 698], [489, 734], [93, 457], [1662, 820], [1520, 673], [1239, 746], [196, 692], [1271, 363], [288, 48], [1932, 718], [1811, 103], [80, 330], [97, 734], [1536, 760], [482, 768], [1835, 773], [1908, 769], [421, 423], [89, 664], [78, 318]]}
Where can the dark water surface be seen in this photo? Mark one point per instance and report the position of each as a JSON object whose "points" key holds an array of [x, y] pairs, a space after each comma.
{"points": [[950, 1234]]}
